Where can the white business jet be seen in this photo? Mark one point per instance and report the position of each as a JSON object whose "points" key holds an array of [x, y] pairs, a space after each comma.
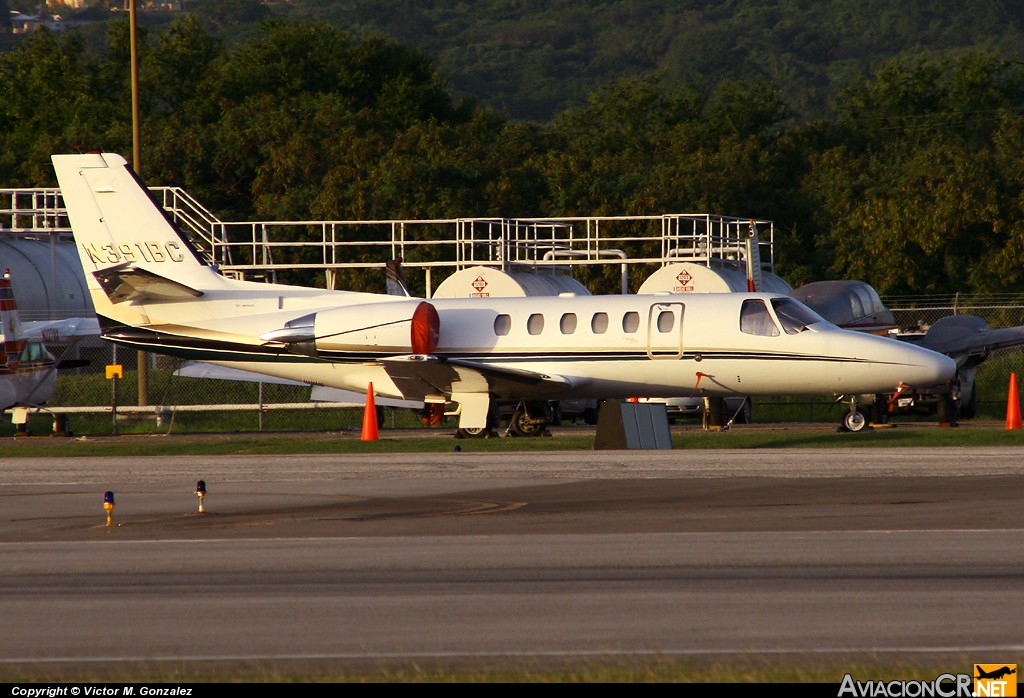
{"points": [[153, 290]]}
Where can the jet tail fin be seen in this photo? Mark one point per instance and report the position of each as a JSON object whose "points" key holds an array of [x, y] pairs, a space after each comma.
{"points": [[117, 224]]}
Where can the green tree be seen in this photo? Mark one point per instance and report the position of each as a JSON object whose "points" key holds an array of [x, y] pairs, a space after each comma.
{"points": [[174, 69], [52, 100], [915, 200], [605, 151], [282, 102]]}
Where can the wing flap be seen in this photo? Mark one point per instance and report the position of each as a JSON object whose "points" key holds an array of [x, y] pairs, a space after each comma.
{"points": [[419, 375]]}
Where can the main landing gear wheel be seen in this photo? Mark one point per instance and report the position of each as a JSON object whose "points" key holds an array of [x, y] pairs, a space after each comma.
{"points": [[743, 415], [854, 420], [530, 419]]}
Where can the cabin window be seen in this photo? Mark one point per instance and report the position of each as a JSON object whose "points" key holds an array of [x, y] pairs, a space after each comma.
{"points": [[502, 325], [857, 306], [33, 351], [794, 316], [630, 322], [535, 324], [599, 323], [754, 319], [666, 321], [568, 323]]}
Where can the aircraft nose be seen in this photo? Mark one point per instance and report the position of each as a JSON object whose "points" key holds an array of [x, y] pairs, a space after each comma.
{"points": [[927, 368]]}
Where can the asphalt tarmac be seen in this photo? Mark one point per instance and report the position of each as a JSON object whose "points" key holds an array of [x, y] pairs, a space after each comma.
{"points": [[328, 560]]}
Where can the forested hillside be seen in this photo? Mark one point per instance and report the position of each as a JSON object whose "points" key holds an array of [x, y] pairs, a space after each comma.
{"points": [[535, 59], [911, 181]]}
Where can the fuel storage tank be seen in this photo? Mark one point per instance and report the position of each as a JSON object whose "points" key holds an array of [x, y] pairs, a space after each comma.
{"points": [[46, 275], [488, 282], [718, 277]]}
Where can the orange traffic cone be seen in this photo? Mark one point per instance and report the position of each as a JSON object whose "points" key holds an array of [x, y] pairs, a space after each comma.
{"points": [[370, 416], [1013, 405]]}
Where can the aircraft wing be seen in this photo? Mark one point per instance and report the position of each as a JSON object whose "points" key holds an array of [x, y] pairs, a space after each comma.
{"points": [[993, 340], [319, 393], [199, 369], [426, 375], [415, 375], [968, 340]]}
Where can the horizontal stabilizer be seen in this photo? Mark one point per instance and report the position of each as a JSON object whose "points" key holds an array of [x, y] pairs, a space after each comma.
{"points": [[127, 283]]}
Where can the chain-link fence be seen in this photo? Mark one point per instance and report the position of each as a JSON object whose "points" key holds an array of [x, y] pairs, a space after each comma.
{"points": [[87, 401], [91, 403]]}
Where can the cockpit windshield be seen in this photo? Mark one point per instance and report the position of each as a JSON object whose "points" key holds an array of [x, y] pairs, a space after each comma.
{"points": [[794, 316]]}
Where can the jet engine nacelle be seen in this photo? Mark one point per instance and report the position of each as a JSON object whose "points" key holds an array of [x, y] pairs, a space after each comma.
{"points": [[401, 327]]}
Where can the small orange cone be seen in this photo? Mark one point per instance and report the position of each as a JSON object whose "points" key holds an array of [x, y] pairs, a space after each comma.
{"points": [[1013, 405], [370, 416]]}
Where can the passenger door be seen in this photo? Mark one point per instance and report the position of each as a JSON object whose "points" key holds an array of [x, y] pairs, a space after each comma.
{"points": [[665, 331]]}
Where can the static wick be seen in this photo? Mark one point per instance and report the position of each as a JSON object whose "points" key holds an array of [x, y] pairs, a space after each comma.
{"points": [[201, 492], [108, 506]]}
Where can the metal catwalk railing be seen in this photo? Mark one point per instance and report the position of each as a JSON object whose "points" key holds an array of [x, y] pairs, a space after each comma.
{"points": [[266, 249]]}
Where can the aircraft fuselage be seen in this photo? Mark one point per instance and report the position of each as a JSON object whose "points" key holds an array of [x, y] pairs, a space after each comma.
{"points": [[596, 346]]}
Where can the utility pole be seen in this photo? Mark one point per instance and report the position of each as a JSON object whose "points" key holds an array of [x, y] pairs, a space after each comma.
{"points": [[142, 359]]}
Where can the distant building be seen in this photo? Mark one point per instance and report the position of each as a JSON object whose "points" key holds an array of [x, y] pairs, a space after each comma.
{"points": [[24, 24], [169, 5], [166, 5]]}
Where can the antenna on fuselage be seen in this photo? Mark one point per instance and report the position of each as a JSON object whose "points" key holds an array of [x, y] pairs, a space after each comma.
{"points": [[753, 255], [396, 285]]}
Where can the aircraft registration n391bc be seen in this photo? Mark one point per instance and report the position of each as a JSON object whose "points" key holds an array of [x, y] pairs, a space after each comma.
{"points": [[154, 290]]}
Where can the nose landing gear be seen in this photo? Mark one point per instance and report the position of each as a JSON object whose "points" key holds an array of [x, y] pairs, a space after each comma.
{"points": [[853, 419]]}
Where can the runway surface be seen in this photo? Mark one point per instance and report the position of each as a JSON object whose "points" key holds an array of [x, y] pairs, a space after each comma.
{"points": [[705, 554]]}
